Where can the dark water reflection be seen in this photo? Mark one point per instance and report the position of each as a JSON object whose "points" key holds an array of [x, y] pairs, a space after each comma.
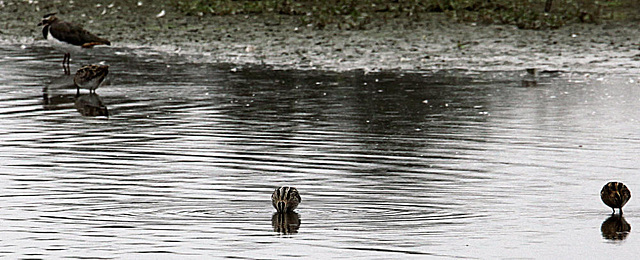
{"points": [[615, 228], [90, 105], [56, 95], [286, 223], [389, 165]]}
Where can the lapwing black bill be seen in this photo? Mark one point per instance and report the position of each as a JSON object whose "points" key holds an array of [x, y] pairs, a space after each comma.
{"points": [[67, 36]]}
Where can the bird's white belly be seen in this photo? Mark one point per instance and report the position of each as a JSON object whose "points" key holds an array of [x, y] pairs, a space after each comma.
{"points": [[60, 45]]}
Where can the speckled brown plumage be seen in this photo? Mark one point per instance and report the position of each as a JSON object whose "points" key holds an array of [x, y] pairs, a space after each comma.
{"points": [[615, 195], [285, 199], [90, 77]]}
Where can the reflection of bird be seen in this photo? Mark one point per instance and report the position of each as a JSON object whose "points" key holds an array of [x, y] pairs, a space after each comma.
{"points": [[615, 228], [285, 223], [285, 199], [530, 80], [91, 105], [615, 195], [90, 77], [67, 35], [55, 93]]}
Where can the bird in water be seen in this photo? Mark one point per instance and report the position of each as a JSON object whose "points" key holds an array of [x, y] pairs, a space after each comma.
{"points": [[615, 195], [90, 77], [285, 199], [68, 36]]}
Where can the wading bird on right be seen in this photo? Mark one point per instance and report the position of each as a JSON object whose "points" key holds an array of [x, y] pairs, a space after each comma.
{"points": [[615, 195]]}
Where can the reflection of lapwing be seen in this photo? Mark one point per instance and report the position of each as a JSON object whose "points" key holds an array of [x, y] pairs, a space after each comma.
{"points": [[615, 228], [67, 36], [90, 77], [615, 195], [91, 105], [285, 199], [285, 223]]}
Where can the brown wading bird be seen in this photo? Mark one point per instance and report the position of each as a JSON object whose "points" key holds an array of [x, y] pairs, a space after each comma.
{"points": [[90, 77], [615, 195], [68, 36], [285, 199]]}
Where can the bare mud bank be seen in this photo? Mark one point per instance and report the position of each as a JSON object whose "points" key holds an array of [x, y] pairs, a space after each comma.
{"points": [[431, 42]]}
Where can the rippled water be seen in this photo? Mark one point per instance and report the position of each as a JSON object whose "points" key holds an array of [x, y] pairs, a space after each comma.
{"points": [[448, 164]]}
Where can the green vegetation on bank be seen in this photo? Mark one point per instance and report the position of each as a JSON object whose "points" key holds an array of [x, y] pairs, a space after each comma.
{"points": [[358, 14]]}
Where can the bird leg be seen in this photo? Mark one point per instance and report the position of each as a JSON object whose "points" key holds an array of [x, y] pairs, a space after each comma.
{"points": [[68, 62], [63, 66], [65, 63]]}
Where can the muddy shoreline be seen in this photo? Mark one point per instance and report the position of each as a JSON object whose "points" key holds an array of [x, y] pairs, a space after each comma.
{"points": [[431, 43]]}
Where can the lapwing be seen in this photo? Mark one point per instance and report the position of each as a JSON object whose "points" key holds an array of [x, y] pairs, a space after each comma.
{"points": [[615, 195], [285, 199], [90, 77], [68, 36]]}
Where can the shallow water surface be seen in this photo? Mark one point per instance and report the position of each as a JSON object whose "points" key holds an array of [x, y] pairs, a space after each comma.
{"points": [[178, 159]]}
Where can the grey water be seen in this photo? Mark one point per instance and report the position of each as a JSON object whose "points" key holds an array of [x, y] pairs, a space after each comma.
{"points": [[177, 158]]}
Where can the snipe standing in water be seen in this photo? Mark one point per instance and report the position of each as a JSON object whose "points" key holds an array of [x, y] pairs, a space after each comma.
{"points": [[285, 199], [90, 77], [67, 36], [615, 195]]}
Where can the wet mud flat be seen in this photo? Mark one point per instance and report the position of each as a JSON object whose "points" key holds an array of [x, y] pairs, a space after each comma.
{"points": [[431, 41]]}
